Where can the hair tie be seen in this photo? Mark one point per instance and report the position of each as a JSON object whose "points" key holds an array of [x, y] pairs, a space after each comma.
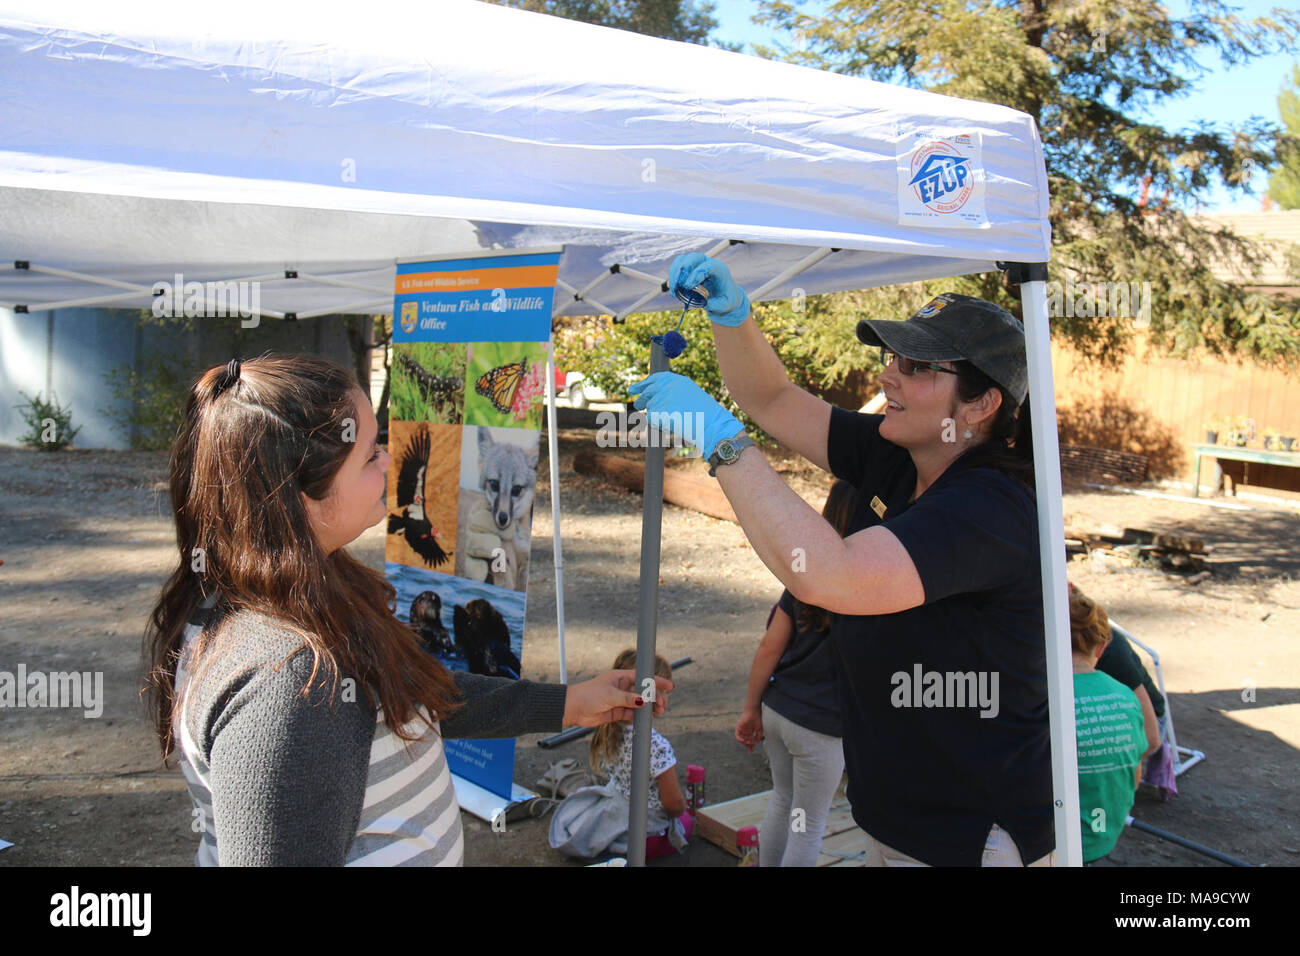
{"points": [[229, 376]]}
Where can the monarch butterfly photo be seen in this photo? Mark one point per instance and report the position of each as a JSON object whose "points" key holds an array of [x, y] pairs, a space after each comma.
{"points": [[509, 380], [501, 384]]}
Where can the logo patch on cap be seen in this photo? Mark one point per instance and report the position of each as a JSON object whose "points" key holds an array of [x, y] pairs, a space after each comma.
{"points": [[932, 307]]}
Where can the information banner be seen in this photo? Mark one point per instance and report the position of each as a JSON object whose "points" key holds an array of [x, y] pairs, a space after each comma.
{"points": [[464, 422]]}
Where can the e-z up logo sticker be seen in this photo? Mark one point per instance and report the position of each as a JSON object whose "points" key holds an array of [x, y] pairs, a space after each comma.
{"points": [[940, 181], [941, 177]]}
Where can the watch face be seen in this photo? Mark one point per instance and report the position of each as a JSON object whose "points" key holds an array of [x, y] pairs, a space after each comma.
{"points": [[726, 450]]}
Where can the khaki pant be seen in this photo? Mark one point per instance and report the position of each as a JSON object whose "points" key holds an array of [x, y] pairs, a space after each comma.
{"points": [[999, 850]]}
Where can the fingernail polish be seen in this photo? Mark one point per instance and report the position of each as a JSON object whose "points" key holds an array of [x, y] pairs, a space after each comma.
{"points": [[640, 702]]}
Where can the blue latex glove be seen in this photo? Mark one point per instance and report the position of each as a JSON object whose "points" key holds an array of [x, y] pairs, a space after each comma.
{"points": [[728, 304], [666, 393]]}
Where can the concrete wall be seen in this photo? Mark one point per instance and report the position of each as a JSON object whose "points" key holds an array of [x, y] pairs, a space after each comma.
{"points": [[70, 351]]}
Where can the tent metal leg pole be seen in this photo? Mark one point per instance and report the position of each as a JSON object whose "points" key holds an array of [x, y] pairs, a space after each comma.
{"points": [[1184, 842], [553, 451], [652, 508], [1051, 522]]}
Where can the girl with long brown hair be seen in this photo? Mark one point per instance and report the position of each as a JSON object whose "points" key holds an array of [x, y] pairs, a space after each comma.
{"points": [[308, 720]]}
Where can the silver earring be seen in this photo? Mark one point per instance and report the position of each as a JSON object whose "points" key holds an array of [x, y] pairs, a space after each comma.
{"points": [[966, 434]]}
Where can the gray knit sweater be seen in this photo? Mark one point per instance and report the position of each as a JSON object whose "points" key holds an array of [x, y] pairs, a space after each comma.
{"points": [[282, 780]]}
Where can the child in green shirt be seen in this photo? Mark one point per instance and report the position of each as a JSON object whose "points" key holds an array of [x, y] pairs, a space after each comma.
{"points": [[1109, 731]]}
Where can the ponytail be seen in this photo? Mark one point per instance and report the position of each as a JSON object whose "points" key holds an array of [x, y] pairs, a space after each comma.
{"points": [[1011, 437], [1089, 625]]}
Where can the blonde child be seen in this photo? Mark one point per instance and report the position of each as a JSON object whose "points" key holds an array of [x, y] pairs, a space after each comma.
{"points": [[595, 819]]}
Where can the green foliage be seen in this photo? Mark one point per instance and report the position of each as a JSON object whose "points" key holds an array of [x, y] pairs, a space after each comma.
{"points": [[409, 402], [817, 345], [684, 20], [1085, 70], [1284, 185], [47, 423], [154, 398], [150, 399]]}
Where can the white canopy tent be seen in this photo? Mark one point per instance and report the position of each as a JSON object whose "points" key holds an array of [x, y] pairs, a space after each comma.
{"points": [[308, 147]]}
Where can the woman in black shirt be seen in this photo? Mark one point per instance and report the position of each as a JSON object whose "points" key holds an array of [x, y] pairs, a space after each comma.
{"points": [[935, 596]]}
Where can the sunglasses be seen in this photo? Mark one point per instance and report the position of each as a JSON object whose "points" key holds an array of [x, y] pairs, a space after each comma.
{"points": [[910, 367]]}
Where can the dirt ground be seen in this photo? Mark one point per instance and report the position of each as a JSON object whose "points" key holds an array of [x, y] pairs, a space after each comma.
{"points": [[86, 543]]}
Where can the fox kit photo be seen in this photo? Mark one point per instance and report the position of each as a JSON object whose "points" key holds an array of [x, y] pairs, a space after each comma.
{"points": [[498, 514], [507, 477]]}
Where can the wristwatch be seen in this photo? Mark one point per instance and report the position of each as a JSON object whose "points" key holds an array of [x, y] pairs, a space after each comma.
{"points": [[727, 451]]}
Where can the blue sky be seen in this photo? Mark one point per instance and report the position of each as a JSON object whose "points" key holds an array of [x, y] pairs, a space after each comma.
{"points": [[1223, 95]]}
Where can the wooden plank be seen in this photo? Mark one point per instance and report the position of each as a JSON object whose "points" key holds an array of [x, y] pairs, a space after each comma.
{"points": [[1289, 459], [1184, 411], [719, 823], [1138, 536], [742, 810], [1174, 542], [839, 819], [849, 842]]}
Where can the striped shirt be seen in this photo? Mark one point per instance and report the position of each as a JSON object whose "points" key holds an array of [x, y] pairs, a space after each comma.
{"points": [[279, 778]]}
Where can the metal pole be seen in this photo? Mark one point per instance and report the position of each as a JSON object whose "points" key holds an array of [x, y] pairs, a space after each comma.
{"points": [[652, 507], [1056, 619], [1183, 841], [553, 449]]}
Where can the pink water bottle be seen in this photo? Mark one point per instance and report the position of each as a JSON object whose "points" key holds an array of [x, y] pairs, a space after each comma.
{"points": [[694, 788], [747, 846]]}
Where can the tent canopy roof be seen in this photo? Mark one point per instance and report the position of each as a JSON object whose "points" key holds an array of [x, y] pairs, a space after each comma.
{"points": [[242, 139]]}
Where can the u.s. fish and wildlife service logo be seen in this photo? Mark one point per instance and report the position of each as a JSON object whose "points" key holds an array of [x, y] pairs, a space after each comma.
{"points": [[941, 177], [410, 316], [932, 307]]}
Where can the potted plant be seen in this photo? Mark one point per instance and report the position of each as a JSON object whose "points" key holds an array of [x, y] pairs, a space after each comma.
{"points": [[1243, 430], [1228, 431], [1287, 442], [1271, 442], [1212, 433]]}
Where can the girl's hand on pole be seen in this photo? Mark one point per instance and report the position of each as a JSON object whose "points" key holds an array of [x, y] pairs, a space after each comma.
{"points": [[749, 731], [728, 304], [611, 697]]}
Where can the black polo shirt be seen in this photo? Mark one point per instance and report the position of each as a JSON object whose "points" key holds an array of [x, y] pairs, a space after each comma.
{"points": [[928, 775]]}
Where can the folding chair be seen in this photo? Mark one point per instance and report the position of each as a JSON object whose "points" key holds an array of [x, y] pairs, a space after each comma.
{"points": [[1184, 758]]}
